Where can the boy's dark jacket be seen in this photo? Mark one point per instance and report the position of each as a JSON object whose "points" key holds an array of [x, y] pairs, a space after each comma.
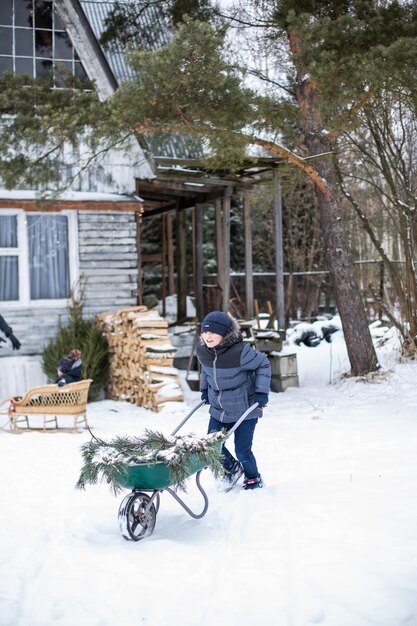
{"points": [[232, 372], [71, 369]]}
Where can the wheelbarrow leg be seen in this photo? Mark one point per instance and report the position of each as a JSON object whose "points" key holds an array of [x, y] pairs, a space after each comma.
{"points": [[182, 503]]}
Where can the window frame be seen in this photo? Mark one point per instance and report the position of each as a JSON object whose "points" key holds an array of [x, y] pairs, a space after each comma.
{"points": [[22, 253]]}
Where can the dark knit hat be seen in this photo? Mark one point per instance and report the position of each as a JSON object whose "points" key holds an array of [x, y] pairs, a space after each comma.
{"points": [[216, 322]]}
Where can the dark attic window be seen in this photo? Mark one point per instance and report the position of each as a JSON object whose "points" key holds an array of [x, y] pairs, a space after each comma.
{"points": [[33, 41]]}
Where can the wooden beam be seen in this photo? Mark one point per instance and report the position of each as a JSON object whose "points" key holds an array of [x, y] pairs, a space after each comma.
{"points": [[77, 205], [155, 257], [181, 266], [198, 259], [279, 254], [163, 264], [177, 202], [226, 248], [167, 193], [249, 164], [170, 251], [219, 244], [156, 208], [139, 297], [89, 50], [248, 253], [180, 187], [197, 179]]}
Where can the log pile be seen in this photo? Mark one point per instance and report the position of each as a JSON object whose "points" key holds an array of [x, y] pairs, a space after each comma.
{"points": [[140, 358]]}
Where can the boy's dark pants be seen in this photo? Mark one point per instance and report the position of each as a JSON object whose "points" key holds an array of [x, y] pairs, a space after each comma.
{"points": [[243, 445]]}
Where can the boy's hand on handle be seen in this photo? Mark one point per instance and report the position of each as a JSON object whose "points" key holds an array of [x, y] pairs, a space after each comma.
{"points": [[261, 399], [204, 395]]}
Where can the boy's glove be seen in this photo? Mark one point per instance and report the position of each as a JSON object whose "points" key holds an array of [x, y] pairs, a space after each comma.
{"points": [[15, 342], [261, 399], [204, 395]]}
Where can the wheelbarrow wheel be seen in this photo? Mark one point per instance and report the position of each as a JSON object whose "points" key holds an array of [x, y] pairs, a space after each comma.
{"points": [[136, 518]]}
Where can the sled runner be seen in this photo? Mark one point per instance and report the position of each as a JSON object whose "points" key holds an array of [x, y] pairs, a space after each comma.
{"points": [[138, 510]]}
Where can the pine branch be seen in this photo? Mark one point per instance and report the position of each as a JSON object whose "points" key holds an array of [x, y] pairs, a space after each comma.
{"points": [[110, 461]]}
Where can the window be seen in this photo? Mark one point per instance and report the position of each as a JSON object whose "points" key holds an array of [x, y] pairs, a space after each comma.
{"points": [[37, 256], [9, 269], [33, 41]]}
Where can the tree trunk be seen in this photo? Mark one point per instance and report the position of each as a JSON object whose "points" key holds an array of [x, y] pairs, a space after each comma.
{"points": [[358, 339], [359, 344]]}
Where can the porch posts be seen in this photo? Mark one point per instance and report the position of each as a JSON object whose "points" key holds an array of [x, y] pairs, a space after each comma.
{"points": [[198, 259], [139, 297], [174, 275], [170, 250], [248, 253], [279, 255], [181, 265], [223, 245]]}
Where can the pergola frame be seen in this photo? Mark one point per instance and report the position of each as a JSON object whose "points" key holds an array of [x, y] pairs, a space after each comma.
{"points": [[189, 184]]}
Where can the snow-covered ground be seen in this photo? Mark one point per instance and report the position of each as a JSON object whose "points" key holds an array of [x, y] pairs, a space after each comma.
{"points": [[331, 539]]}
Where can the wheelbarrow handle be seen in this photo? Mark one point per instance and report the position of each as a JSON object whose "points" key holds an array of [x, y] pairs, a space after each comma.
{"points": [[187, 417], [241, 418], [200, 404]]}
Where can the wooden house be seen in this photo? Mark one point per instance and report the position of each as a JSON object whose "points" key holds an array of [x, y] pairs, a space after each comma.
{"points": [[88, 241]]}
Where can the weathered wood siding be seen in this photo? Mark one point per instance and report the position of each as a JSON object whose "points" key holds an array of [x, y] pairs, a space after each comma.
{"points": [[107, 260]]}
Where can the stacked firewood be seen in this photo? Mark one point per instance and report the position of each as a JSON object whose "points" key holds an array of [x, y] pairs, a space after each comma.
{"points": [[141, 357]]}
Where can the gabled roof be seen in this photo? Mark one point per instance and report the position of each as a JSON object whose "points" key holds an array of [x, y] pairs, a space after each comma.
{"points": [[97, 11], [85, 20]]}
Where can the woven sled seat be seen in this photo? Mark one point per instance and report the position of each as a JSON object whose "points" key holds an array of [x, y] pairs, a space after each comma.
{"points": [[50, 402]]}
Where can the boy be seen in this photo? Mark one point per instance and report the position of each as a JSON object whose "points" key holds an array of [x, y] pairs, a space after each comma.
{"points": [[233, 377]]}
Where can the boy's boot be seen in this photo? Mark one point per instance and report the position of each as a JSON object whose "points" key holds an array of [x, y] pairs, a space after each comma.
{"points": [[252, 483], [233, 474]]}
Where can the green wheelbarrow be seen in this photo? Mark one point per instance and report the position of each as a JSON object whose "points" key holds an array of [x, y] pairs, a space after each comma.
{"points": [[138, 510]]}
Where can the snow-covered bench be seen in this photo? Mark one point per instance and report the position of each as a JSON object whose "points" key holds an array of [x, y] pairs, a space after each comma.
{"points": [[49, 402]]}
